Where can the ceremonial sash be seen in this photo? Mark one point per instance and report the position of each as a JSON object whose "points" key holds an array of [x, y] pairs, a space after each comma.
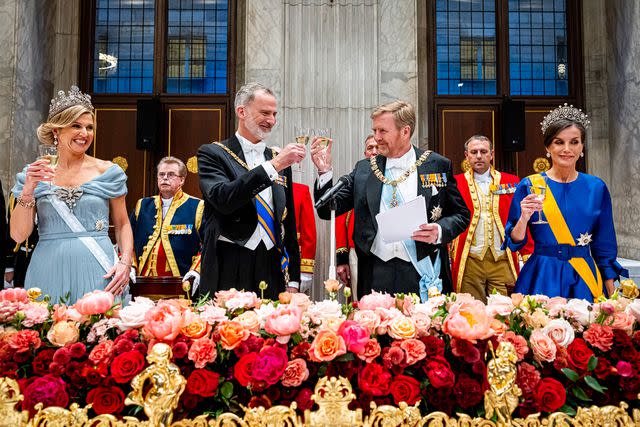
{"points": [[563, 235]]}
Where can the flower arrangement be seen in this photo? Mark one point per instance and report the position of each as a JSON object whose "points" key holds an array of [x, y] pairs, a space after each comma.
{"points": [[237, 349]]}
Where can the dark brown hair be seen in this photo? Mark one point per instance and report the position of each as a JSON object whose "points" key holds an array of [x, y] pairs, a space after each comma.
{"points": [[558, 126]]}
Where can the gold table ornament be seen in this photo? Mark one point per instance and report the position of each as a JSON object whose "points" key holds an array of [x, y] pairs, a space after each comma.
{"points": [[332, 395]]}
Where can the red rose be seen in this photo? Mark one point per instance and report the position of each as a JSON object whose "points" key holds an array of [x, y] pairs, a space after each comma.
{"points": [[579, 354], [603, 368], [405, 389], [393, 356], [94, 374], [242, 369], [106, 400], [127, 365], [49, 390], [439, 373], [269, 364], [374, 379], [440, 399], [301, 351], [253, 344], [42, 361], [203, 383], [468, 392], [551, 395]]}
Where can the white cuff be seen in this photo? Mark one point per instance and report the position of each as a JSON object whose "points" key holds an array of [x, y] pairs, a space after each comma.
{"points": [[324, 178], [439, 240], [270, 170], [8, 270], [294, 285], [305, 277]]}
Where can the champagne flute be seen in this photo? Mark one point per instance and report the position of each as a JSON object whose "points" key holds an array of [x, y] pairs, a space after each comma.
{"points": [[303, 134], [540, 192], [50, 153], [324, 135]]}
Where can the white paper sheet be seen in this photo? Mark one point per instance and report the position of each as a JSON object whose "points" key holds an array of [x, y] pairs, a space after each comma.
{"points": [[399, 223]]}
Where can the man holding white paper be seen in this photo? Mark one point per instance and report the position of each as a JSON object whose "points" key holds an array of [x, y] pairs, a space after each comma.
{"points": [[398, 175]]}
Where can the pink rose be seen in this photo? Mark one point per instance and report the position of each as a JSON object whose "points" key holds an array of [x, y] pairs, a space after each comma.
{"points": [[519, 343], [423, 323], [301, 301], [560, 331], [96, 302], [102, 352], [326, 346], [623, 321], [283, 322], [468, 320], [599, 336], [371, 351], [202, 351], [295, 374], [624, 369], [14, 295], [376, 300], [355, 335], [164, 322], [269, 365], [63, 333], [544, 349], [414, 350], [556, 305], [367, 318]]}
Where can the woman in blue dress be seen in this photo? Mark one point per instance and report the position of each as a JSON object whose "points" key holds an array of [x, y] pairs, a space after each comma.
{"points": [[575, 249], [73, 201]]}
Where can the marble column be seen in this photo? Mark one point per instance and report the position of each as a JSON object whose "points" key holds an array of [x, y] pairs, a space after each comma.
{"points": [[40, 53], [330, 63]]}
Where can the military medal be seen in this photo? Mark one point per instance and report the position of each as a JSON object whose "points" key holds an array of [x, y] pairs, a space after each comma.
{"points": [[436, 213]]}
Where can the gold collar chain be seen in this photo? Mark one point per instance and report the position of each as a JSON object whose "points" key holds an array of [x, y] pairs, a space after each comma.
{"points": [[394, 183], [235, 156]]}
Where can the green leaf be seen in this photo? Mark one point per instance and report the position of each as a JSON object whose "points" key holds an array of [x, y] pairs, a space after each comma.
{"points": [[593, 362], [580, 394], [571, 374], [594, 384], [567, 410], [345, 357], [227, 389]]}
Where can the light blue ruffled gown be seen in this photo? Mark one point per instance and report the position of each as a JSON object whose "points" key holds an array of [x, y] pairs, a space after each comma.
{"points": [[61, 264]]}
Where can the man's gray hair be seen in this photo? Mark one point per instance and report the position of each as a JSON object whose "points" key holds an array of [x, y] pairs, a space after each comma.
{"points": [[478, 138], [247, 93]]}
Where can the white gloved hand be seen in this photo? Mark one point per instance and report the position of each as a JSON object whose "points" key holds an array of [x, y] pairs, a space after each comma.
{"points": [[305, 286], [191, 274]]}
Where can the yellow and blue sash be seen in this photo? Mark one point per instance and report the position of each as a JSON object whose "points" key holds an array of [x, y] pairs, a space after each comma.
{"points": [[266, 219], [563, 235]]}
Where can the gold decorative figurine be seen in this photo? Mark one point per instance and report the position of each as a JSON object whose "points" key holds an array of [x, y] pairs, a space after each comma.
{"points": [[503, 396]]}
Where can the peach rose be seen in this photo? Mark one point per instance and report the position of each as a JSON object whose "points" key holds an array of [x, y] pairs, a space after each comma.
{"points": [[560, 331], [163, 322], [414, 350], [194, 326], [537, 319], [301, 301], [544, 349], [202, 352], [14, 295], [326, 346], [62, 312], [232, 334], [367, 318], [283, 322], [519, 343], [295, 373], [63, 333], [468, 320], [250, 321], [371, 351], [402, 328], [376, 300], [96, 302], [623, 321], [386, 316], [423, 323], [516, 299], [332, 285]]}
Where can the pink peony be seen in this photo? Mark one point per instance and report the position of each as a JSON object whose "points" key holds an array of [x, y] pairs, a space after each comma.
{"points": [[283, 322], [468, 320], [269, 365], [133, 315], [544, 349], [498, 304], [62, 313], [376, 300], [96, 302], [233, 299], [202, 351], [213, 314], [164, 322], [14, 295], [355, 336], [295, 373], [556, 305], [599, 336], [519, 343], [34, 314]]}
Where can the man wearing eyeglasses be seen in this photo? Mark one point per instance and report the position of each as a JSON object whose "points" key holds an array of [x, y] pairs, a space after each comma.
{"points": [[166, 227]]}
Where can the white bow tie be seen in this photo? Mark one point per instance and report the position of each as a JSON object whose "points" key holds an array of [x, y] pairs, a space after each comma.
{"points": [[255, 148], [395, 164]]}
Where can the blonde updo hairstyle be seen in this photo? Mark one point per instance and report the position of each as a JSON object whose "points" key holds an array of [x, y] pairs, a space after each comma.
{"points": [[61, 120]]}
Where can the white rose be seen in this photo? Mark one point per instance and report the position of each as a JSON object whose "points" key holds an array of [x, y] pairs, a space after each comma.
{"points": [[326, 309], [580, 310], [367, 318], [499, 304], [133, 315], [264, 311], [560, 331], [634, 309]]}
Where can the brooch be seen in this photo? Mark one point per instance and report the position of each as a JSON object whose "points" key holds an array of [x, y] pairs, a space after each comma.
{"points": [[69, 195], [101, 224], [584, 239], [436, 213]]}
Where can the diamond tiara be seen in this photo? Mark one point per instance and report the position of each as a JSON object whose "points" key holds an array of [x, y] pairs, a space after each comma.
{"points": [[567, 112], [64, 101]]}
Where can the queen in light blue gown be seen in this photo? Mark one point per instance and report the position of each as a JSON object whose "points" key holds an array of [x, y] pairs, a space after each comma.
{"points": [[61, 264], [575, 252]]}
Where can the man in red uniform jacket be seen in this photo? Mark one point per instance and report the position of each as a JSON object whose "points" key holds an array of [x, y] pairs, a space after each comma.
{"points": [[306, 227], [346, 259], [479, 266]]}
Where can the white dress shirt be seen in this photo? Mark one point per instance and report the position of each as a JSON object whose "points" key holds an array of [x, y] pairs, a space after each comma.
{"points": [[166, 204]]}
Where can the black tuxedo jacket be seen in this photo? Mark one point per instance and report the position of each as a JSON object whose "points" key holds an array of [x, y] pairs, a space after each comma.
{"points": [[363, 195], [229, 190]]}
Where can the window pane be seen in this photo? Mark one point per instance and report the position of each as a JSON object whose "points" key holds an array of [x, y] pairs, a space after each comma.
{"points": [[124, 38], [538, 32], [197, 39], [466, 47]]}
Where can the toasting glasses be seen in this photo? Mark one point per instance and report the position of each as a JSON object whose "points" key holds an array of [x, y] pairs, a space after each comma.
{"points": [[540, 192]]}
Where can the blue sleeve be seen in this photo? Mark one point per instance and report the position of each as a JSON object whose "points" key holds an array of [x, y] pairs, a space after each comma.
{"points": [[514, 214], [604, 246]]}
